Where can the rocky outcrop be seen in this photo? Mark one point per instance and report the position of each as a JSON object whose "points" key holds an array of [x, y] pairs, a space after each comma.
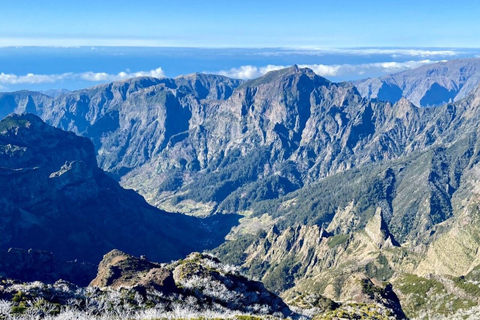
{"points": [[121, 270], [132, 287], [198, 275]]}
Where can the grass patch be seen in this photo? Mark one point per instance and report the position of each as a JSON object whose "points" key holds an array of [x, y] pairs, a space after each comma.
{"points": [[337, 240]]}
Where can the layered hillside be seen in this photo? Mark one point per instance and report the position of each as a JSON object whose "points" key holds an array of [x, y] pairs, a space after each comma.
{"points": [[55, 198], [429, 85], [202, 144], [336, 191]]}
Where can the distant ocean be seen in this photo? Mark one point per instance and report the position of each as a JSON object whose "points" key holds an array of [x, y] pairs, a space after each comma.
{"points": [[44, 68]]}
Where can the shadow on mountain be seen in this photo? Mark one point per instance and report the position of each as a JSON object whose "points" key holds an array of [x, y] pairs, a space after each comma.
{"points": [[55, 198]]}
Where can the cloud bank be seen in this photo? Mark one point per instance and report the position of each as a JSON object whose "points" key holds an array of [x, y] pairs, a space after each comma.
{"points": [[352, 71], [393, 52], [31, 78], [336, 70]]}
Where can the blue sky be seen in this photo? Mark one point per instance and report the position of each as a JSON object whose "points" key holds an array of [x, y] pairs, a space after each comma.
{"points": [[246, 23], [53, 44]]}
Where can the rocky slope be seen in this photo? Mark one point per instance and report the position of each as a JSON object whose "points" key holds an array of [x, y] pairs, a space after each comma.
{"points": [[202, 144], [131, 287], [197, 286], [55, 198], [386, 221], [429, 85]]}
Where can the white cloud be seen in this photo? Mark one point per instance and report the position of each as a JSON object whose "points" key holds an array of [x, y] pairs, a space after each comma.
{"points": [[249, 71], [366, 68], [336, 70], [401, 52], [30, 78], [394, 52]]}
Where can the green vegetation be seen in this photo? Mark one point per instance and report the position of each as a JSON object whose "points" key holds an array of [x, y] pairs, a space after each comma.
{"points": [[282, 276], [228, 176], [12, 122], [314, 301], [318, 203], [337, 240], [429, 294], [379, 268], [232, 252], [412, 284], [356, 311], [467, 286]]}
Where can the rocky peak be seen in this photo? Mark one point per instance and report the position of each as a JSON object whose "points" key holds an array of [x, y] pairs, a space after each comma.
{"points": [[378, 231], [120, 270], [287, 76], [207, 86]]}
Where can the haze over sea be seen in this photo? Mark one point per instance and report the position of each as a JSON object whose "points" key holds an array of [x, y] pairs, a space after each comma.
{"points": [[45, 68]]}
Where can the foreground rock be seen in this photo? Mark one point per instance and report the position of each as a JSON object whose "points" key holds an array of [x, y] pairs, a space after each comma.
{"points": [[196, 286], [209, 283]]}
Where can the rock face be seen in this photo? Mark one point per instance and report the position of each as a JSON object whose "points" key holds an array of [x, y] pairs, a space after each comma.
{"points": [[429, 85], [118, 269], [55, 198], [204, 144], [198, 275], [131, 287]]}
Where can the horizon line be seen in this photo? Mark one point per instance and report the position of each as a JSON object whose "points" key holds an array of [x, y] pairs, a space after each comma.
{"points": [[300, 47]]}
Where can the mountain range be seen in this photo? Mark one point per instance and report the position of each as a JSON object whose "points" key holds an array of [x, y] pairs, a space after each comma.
{"points": [[429, 85], [338, 185]]}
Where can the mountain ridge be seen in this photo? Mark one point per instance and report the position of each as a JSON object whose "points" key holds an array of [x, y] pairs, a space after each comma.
{"points": [[366, 186], [429, 85]]}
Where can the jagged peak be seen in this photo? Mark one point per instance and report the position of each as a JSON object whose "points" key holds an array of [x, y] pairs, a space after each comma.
{"points": [[403, 107], [404, 103], [282, 74], [377, 230]]}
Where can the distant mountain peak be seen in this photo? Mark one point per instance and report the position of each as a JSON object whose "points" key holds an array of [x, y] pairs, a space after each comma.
{"points": [[286, 73], [428, 85]]}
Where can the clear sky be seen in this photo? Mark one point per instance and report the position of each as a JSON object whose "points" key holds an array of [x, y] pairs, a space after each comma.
{"points": [[242, 23]]}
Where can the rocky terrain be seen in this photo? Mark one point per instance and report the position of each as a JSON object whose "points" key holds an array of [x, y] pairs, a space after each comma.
{"points": [[197, 286], [341, 198]]}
